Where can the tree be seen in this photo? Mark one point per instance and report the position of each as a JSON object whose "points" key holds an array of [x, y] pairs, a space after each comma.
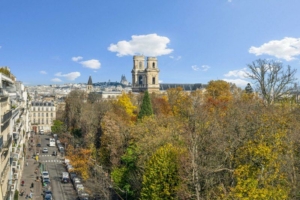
{"points": [[146, 107], [248, 89], [273, 81], [57, 126], [161, 177]]}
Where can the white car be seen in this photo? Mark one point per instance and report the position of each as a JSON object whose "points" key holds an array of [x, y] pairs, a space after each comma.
{"points": [[45, 150], [45, 174]]}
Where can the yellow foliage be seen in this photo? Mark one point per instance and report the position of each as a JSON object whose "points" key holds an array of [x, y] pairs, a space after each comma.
{"points": [[79, 159], [124, 102]]}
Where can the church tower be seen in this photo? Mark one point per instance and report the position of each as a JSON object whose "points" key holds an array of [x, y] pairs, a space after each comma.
{"points": [[89, 87], [145, 79]]}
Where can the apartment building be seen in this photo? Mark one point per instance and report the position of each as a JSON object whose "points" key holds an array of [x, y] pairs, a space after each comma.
{"points": [[42, 115], [14, 129]]}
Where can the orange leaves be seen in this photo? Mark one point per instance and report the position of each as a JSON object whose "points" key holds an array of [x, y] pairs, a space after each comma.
{"points": [[79, 158], [161, 106]]}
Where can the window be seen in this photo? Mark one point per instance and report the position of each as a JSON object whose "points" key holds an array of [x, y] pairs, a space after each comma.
{"points": [[46, 114], [38, 120], [153, 80], [140, 64], [33, 114], [38, 114], [140, 80], [46, 121], [153, 65], [51, 114]]}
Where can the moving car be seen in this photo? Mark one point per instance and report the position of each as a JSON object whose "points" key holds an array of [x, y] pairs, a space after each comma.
{"points": [[38, 145], [45, 174], [46, 181], [65, 177], [45, 150], [42, 132], [48, 195]]}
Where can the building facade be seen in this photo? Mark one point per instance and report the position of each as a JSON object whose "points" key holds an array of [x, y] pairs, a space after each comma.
{"points": [[14, 130], [42, 115], [145, 78]]}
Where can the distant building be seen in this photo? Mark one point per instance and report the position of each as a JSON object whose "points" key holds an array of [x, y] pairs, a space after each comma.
{"points": [[89, 86], [124, 80], [43, 113], [145, 78]]}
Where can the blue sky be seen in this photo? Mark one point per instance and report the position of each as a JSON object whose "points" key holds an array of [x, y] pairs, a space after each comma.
{"points": [[56, 42]]}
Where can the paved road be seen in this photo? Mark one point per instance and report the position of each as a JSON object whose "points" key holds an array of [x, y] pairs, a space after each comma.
{"points": [[61, 191]]}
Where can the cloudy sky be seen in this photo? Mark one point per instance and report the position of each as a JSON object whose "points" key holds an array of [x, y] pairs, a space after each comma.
{"points": [[60, 41]]}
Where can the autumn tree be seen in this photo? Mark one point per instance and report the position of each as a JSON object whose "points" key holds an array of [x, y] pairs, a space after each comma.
{"points": [[161, 177], [146, 107], [273, 81], [124, 107]]}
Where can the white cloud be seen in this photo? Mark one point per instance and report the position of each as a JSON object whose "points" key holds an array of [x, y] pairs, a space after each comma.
{"points": [[56, 80], [76, 59], [160, 81], [203, 68], [240, 73], [238, 82], [287, 48], [229, 1], [148, 45], [175, 58], [70, 76], [92, 64], [43, 72], [195, 68]]}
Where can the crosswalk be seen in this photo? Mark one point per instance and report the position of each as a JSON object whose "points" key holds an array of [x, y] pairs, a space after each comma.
{"points": [[58, 161]]}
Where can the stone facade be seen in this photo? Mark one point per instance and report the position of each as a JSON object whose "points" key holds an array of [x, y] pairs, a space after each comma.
{"points": [[145, 78]]}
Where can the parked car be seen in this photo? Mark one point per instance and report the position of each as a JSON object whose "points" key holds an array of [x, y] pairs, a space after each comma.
{"points": [[45, 150], [79, 188], [61, 149], [83, 196], [75, 181], [38, 145], [42, 132], [70, 168], [72, 176]]}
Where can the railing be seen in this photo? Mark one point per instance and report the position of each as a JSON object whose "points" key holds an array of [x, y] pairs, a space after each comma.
{"points": [[7, 143], [7, 116], [15, 112]]}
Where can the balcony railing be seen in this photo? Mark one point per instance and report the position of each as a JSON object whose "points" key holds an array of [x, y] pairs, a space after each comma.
{"points": [[15, 112], [7, 116], [7, 143]]}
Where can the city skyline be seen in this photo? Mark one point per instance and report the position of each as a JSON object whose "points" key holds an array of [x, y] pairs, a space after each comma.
{"points": [[59, 42]]}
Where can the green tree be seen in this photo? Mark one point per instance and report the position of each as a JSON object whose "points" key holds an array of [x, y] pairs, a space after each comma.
{"points": [[146, 107], [161, 178], [57, 126], [248, 89]]}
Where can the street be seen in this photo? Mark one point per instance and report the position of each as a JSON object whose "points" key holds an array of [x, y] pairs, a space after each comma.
{"points": [[52, 164]]}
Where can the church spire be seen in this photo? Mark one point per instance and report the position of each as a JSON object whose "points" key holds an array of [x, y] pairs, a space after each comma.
{"points": [[90, 82]]}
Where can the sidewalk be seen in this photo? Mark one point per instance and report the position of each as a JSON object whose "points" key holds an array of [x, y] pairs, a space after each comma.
{"points": [[29, 177]]}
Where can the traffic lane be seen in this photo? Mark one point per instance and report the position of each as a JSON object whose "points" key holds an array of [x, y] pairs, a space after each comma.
{"points": [[54, 165]]}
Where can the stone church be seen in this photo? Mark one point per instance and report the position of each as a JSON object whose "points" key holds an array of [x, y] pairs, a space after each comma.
{"points": [[145, 77]]}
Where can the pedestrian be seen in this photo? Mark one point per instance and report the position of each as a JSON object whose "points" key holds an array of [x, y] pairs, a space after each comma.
{"points": [[26, 163], [32, 185]]}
